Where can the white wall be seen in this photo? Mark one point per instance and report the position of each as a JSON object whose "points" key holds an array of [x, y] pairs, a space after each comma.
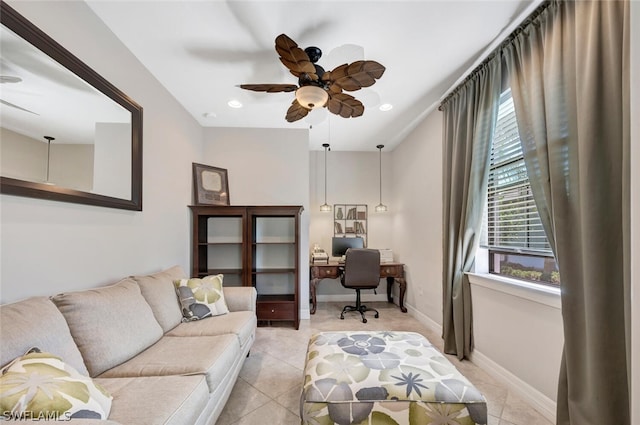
{"points": [[266, 167], [24, 158], [417, 225], [352, 178], [49, 247]]}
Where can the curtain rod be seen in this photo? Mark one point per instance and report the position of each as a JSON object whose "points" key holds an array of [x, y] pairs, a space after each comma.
{"points": [[508, 39]]}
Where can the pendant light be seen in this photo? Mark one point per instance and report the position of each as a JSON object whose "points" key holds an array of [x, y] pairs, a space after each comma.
{"points": [[49, 139], [380, 207], [325, 207]]}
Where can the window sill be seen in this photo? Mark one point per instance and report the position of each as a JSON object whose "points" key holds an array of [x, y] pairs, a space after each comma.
{"points": [[529, 291]]}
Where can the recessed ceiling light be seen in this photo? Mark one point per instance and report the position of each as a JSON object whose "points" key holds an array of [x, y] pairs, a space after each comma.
{"points": [[235, 103], [386, 107], [210, 115]]}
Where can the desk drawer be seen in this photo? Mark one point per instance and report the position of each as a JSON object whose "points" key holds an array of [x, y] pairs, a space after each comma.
{"points": [[390, 271], [326, 272], [276, 311]]}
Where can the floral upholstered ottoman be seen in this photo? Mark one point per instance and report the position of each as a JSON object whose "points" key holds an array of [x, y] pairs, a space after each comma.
{"points": [[384, 378]]}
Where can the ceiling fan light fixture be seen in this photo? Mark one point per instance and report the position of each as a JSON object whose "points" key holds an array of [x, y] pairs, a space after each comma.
{"points": [[312, 97]]}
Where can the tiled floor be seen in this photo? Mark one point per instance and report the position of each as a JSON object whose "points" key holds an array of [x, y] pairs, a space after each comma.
{"points": [[268, 389]]}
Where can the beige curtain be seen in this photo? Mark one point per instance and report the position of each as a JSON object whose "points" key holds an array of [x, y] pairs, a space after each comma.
{"points": [[569, 76], [469, 120]]}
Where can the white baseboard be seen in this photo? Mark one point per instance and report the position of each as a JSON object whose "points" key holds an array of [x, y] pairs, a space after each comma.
{"points": [[539, 401], [424, 319], [535, 398], [351, 298], [305, 313]]}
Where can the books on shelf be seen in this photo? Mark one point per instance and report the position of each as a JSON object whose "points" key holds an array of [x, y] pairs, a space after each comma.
{"points": [[337, 227], [362, 215], [359, 227], [351, 214]]}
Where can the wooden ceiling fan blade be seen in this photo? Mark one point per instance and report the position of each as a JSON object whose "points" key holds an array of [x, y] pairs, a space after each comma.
{"points": [[4, 102], [345, 105], [293, 57], [269, 88], [352, 77], [296, 111]]}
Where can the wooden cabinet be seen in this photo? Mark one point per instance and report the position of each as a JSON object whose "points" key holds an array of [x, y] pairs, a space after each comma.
{"points": [[252, 246]]}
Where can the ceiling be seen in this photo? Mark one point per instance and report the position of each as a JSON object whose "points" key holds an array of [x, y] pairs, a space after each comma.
{"points": [[201, 50]]}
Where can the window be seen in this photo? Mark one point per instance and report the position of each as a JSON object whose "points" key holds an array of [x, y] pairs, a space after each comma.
{"points": [[517, 244]]}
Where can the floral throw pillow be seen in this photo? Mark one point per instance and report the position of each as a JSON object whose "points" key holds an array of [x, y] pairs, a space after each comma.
{"points": [[40, 385], [200, 298]]}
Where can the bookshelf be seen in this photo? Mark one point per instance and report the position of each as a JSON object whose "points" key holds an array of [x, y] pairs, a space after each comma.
{"points": [[350, 220]]}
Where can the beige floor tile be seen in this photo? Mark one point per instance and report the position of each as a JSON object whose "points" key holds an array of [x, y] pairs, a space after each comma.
{"points": [[269, 374], [493, 420], [271, 413], [243, 400], [291, 399], [520, 413], [270, 383]]}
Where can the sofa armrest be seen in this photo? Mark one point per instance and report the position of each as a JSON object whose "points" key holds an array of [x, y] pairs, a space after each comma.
{"points": [[240, 298]]}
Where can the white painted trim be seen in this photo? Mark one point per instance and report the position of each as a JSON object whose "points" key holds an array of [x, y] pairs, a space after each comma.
{"points": [[304, 313], [424, 319], [541, 294], [351, 298], [539, 401]]}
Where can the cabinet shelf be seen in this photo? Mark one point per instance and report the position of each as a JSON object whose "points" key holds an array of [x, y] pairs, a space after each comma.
{"points": [[271, 270], [275, 298]]}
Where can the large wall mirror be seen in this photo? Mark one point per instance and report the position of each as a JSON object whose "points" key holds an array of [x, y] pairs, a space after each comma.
{"points": [[66, 133]]}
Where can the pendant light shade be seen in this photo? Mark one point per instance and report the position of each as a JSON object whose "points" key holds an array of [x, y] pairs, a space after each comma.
{"points": [[380, 207], [325, 207]]}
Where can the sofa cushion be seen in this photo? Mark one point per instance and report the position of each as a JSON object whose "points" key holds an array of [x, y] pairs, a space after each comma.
{"points": [[110, 324], [159, 291], [40, 384], [167, 400], [240, 323], [37, 322], [212, 356], [207, 292]]}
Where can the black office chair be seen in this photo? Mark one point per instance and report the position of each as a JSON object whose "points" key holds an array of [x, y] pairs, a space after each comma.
{"points": [[361, 271]]}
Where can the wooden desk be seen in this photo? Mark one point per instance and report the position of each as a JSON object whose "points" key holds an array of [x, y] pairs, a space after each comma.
{"points": [[392, 271]]}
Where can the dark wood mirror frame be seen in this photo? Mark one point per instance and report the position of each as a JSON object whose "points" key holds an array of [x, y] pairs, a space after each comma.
{"points": [[29, 32]]}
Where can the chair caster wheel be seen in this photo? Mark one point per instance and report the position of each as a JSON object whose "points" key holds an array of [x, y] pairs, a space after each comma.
{"points": [[364, 320], [342, 317], [377, 315]]}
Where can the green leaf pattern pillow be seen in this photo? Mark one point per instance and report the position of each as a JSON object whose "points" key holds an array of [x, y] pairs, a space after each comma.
{"points": [[207, 292], [41, 385]]}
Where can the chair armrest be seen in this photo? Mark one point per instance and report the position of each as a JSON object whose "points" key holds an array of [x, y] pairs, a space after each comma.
{"points": [[240, 298]]}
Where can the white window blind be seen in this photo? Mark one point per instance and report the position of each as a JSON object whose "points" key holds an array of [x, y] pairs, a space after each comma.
{"points": [[513, 223]]}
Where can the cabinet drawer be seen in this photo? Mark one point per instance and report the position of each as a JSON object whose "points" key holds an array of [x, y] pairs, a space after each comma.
{"points": [[276, 311], [390, 271]]}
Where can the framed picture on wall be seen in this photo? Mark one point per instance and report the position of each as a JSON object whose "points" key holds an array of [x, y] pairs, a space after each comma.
{"points": [[210, 185]]}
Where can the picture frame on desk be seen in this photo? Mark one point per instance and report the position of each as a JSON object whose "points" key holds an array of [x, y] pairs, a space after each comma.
{"points": [[210, 185]]}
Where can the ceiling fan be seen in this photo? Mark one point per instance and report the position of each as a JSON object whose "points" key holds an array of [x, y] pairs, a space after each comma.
{"points": [[319, 88]]}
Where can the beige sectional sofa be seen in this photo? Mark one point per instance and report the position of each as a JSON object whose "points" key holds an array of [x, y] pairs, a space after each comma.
{"points": [[129, 337]]}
